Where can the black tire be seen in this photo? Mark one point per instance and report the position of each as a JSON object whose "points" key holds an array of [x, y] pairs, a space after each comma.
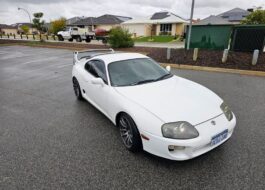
{"points": [[60, 38], [129, 133], [77, 89], [70, 40], [104, 41], [88, 40], [78, 39]]}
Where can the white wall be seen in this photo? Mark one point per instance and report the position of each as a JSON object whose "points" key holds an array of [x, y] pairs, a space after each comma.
{"points": [[136, 29]]}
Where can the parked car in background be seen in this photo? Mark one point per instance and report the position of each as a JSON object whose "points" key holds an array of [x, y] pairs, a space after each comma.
{"points": [[159, 112], [80, 34]]}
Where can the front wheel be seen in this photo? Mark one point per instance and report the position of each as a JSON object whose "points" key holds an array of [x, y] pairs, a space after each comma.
{"points": [[60, 38], [129, 133], [77, 89]]}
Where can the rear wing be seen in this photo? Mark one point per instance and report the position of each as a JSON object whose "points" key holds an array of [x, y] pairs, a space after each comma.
{"points": [[78, 55]]}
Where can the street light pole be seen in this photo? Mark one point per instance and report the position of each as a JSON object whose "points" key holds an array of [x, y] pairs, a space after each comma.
{"points": [[19, 8], [190, 25]]}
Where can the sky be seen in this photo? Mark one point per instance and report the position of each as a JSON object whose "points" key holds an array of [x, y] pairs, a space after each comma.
{"points": [[54, 9]]}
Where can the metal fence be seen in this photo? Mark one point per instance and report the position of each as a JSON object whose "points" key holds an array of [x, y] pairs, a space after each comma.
{"points": [[210, 36], [234, 37], [248, 38], [29, 37]]}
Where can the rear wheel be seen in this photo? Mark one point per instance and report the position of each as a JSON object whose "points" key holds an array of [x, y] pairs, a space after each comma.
{"points": [[88, 40], [77, 89], [70, 40], [78, 39], [129, 133], [104, 41]]}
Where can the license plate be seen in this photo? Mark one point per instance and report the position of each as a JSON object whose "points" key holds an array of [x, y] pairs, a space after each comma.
{"points": [[219, 137]]}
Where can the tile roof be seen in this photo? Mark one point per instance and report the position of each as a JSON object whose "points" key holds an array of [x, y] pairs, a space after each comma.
{"points": [[104, 19], [159, 15], [232, 16], [158, 18], [5, 26]]}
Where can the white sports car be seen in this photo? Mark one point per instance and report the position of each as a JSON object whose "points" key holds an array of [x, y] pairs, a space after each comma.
{"points": [[159, 112]]}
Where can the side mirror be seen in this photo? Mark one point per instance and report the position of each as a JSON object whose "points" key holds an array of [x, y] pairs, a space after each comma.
{"points": [[168, 68], [97, 81]]}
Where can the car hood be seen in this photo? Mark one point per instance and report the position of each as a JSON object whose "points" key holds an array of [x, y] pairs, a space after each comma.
{"points": [[175, 99]]}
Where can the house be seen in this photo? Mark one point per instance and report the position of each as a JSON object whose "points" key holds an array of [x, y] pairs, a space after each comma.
{"points": [[18, 27], [160, 23], [231, 17], [73, 20], [8, 29], [105, 22]]}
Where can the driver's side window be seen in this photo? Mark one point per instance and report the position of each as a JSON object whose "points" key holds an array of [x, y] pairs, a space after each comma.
{"points": [[97, 69]]}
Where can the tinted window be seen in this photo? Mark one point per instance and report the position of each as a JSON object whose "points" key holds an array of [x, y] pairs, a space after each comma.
{"points": [[135, 71], [97, 69]]}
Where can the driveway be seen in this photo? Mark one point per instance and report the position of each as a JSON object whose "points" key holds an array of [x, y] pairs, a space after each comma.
{"points": [[49, 140]]}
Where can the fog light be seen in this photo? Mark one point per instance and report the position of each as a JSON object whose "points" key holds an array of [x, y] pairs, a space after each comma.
{"points": [[173, 147]]}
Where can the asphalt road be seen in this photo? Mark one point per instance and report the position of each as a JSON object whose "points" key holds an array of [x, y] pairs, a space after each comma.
{"points": [[49, 140]]}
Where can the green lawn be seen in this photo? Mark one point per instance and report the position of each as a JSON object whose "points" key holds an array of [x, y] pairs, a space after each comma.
{"points": [[162, 39]]}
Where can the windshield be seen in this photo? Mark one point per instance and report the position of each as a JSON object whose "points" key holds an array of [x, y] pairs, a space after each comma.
{"points": [[136, 72], [66, 29]]}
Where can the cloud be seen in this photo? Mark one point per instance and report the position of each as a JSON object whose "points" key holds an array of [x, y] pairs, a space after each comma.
{"points": [[53, 9]]}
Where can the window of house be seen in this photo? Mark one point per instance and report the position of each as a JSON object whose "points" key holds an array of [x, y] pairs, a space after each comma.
{"points": [[165, 27]]}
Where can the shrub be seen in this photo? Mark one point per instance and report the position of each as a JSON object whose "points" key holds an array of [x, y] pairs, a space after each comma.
{"points": [[57, 25], [25, 29], [120, 38]]}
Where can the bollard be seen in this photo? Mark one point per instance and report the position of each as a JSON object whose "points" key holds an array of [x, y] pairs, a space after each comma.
{"points": [[14, 36], [33, 36], [8, 36], [195, 54], [40, 36], [27, 36], [225, 55], [255, 57], [168, 53], [21, 36], [47, 38]]}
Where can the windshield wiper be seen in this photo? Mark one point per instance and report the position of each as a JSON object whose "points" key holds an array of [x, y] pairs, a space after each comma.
{"points": [[144, 81], [152, 80], [163, 76]]}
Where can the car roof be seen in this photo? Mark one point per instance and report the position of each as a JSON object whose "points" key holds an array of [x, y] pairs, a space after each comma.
{"points": [[112, 57]]}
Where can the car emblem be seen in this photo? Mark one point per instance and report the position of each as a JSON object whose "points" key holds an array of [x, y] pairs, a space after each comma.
{"points": [[213, 122]]}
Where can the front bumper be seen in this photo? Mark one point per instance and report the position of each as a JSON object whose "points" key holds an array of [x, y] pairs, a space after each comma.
{"points": [[193, 147]]}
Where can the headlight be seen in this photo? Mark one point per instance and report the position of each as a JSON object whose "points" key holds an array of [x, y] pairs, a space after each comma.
{"points": [[179, 130], [228, 113]]}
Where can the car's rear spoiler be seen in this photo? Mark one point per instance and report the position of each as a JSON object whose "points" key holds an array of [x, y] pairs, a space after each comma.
{"points": [[90, 53]]}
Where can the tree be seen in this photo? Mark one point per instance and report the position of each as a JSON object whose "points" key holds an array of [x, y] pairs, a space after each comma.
{"points": [[57, 25], [256, 17], [37, 22], [120, 38], [25, 29]]}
